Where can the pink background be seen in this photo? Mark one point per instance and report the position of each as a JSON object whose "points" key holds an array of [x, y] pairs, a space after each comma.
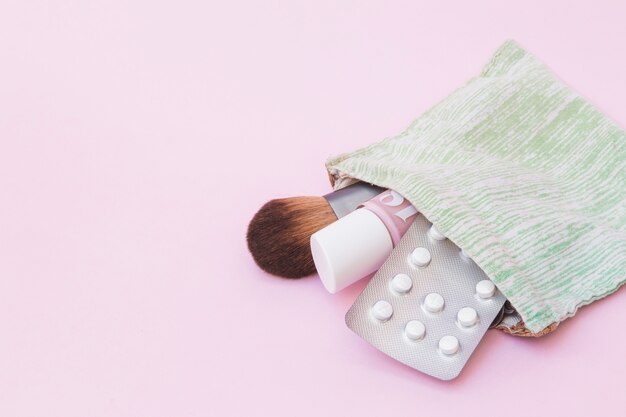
{"points": [[137, 139]]}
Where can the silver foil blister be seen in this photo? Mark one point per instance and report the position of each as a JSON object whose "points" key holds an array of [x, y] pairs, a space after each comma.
{"points": [[449, 274]]}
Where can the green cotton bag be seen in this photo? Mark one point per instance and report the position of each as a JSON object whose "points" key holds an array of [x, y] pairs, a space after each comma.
{"points": [[524, 175]]}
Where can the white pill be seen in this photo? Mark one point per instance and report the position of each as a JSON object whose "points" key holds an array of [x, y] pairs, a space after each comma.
{"points": [[465, 255], [401, 283], [415, 330], [467, 317], [485, 289], [382, 310], [420, 257], [436, 234], [433, 302], [449, 345]]}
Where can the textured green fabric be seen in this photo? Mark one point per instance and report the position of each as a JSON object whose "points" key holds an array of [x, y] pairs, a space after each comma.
{"points": [[523, 174]]}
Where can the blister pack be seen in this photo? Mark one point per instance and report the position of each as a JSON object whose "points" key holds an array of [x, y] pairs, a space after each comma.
{"points": [[428, 306]]}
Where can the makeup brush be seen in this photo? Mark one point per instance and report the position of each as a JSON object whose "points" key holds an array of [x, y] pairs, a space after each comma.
{"points": [[279, 234]]}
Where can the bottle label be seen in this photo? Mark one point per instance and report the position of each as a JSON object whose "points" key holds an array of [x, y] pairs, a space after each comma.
{"points": [[395, 211]]}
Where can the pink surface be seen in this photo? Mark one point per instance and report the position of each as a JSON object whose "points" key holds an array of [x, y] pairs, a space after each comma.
{"points": [[137, 138]]}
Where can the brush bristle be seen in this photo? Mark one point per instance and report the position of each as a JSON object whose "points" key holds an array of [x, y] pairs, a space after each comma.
{"points": [[279, 234]]}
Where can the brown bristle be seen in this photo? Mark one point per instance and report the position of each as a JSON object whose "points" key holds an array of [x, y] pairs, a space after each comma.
{"points": [[279, 234]]}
